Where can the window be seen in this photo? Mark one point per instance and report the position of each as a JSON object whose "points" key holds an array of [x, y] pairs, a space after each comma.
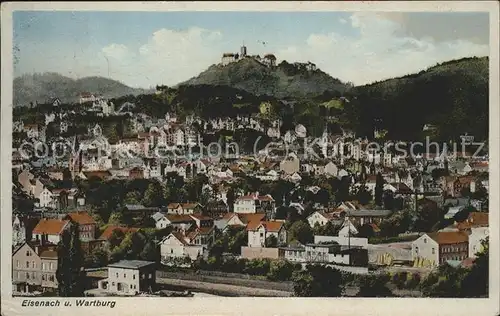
{"points": [[133, 276], [171, 250], [135, 286], [117, 274], [416, 249], [27, 264], [113, 283], [124, 275], [51, 266], [17, 263], [425, 240], [131, 286], [33, 265], [28, 253], [150, 276], [43, 266], [27, 276], [33, 276], [433, 251], [43, 277]]}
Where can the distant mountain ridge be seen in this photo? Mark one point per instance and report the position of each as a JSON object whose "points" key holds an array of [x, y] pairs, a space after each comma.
{"points": [[283, 80], [41, 87]]}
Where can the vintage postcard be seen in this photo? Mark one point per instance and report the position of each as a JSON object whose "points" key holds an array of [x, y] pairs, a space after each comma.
{"points": [[263, 158]]}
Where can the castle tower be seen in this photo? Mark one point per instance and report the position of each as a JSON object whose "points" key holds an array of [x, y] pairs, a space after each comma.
{"points": [[243, 51]]}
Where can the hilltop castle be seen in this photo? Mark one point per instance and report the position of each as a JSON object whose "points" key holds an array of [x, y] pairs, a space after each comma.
{"points": [[227, 58]]}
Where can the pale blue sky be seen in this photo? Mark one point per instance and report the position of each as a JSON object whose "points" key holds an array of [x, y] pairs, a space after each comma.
{"points": [[147, 48]]}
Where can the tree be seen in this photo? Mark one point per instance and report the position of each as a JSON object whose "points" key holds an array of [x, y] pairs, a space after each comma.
{"points": [[282, 270], [98, 258], [363, 195], [231, 197], [302, 232], [366, 231], [69, 272], [379, 189], [271, 242], [132, 197], [318, 281], [150, 252], [476, 282], [153, 195], [398, 223], [116, 218], [343, 193], [388, 200], [374, 286], [445, 282], [116, 238], [329, 229], [427, 218]]}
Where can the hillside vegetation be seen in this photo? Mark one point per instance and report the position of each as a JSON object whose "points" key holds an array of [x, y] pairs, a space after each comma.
{"points": [[453, 96], [43, 87], [283, 81]]}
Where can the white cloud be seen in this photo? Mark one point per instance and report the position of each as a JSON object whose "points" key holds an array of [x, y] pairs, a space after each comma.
{"points": [[168, 57], [379, 52], [117, 51]]}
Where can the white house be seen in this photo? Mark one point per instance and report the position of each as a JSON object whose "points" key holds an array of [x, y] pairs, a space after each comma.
{"points": [[254, 203], [49, 230], [477, 235], [175, 245], [436, 248], [347, 229], [320, 218], [129, 277], [160, 220], [258, 232], [46, 198]]}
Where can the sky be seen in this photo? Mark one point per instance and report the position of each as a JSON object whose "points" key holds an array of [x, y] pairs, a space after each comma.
{"points": [[143, 49]]}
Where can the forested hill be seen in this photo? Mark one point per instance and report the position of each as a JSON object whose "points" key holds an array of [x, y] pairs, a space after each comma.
{"points": [[452, 95], [43, 87], [284, 80]]}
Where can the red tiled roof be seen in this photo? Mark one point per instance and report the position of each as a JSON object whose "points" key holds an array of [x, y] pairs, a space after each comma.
{"points": [[179, 237], [252, 217], [183, 205], [50, 226], [109, 230], [475, 219], [200, 216], [447, 238], [270, 226], [82, 218], [174, 218]]}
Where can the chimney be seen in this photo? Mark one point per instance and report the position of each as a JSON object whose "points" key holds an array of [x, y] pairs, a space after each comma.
{"points": [[36, 250]]}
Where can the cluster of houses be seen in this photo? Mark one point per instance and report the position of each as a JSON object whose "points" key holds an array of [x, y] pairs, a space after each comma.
{"points": [[57, 202]]}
